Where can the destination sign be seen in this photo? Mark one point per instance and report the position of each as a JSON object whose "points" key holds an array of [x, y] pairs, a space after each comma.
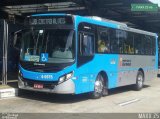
{"points": [[144, 7], [51, 20]]}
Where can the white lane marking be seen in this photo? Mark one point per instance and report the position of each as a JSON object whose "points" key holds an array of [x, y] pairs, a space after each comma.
{"points": [[129, 102]]}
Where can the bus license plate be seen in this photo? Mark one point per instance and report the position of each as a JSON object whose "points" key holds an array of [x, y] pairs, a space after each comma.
{"points": [[38, 86]]}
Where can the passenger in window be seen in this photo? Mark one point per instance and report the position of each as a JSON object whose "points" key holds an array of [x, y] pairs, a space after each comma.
{"points": [[102, 46]]}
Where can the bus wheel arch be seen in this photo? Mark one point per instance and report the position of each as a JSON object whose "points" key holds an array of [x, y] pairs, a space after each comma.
{"points": [[140, 69]]}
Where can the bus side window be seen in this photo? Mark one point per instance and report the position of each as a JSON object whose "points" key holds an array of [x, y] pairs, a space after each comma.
{"points": [[103, 42], [114, 41], [86, 44], [153, 45]]}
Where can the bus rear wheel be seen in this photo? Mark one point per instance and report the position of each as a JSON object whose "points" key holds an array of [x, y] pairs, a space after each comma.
{"points": [[139, 81], [98, 87]]}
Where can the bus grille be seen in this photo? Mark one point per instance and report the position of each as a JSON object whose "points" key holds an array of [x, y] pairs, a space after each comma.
{"points": [[46, 84], [41, 68], [49, 68]]}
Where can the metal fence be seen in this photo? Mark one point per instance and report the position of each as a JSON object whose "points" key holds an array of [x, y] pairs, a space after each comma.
{"points": [[1, 49], [1, 52], [4, 52], [8, 54]]}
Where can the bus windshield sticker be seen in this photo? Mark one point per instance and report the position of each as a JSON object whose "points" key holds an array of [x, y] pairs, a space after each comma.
{"points": [[33, 58], [44, 57]]}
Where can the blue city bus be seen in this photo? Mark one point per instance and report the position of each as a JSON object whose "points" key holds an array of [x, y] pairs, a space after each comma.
{"points": [[71, 54]]}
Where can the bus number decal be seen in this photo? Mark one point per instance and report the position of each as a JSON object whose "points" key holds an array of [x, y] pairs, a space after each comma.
{"points": [[46, 76]]}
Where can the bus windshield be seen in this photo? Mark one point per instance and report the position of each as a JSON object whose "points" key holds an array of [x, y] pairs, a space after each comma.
{"points": [[47, 45]]}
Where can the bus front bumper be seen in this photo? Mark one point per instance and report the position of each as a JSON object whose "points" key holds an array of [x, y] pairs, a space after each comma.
{"points": [[67, 87]]}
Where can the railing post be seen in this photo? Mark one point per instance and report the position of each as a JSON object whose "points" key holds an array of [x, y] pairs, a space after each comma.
{"points": [[5, 50]]}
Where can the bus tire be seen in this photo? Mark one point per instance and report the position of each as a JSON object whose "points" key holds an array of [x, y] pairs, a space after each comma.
{"points": [[104, 92], [98, 87], [139, 81]]}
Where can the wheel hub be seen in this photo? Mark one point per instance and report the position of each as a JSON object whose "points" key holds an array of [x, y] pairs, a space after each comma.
{"points": [[140, 80], [98, 86]]}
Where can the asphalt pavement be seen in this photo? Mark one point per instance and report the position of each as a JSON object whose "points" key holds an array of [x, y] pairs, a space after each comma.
{"points": [[119, 100]]}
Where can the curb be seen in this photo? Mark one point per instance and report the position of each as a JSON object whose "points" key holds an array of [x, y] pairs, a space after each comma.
{"points": [[8, 92]]}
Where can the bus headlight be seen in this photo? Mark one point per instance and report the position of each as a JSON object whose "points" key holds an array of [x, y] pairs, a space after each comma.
{"points": [[61, 79], [65, 77]]}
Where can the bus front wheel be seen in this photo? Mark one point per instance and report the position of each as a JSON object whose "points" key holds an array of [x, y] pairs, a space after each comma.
{"points": [[139, 81], [98, 87]]}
